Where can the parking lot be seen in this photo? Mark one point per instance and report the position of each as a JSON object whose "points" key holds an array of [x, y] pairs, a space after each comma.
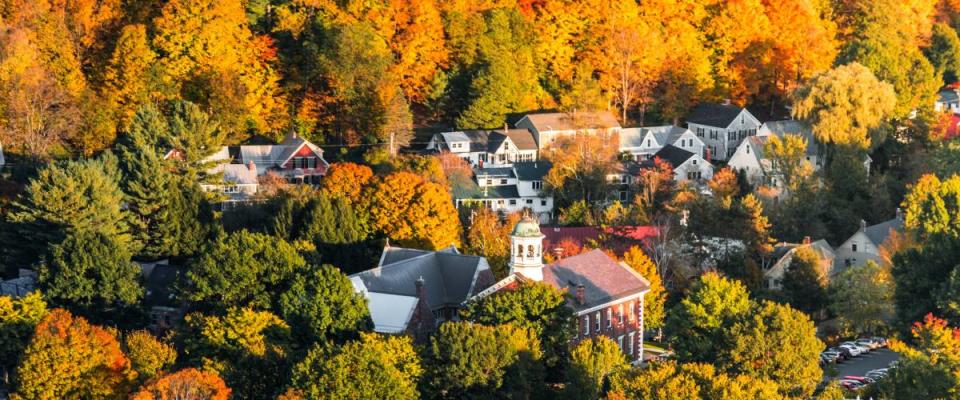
{"points": [[879, 358]]}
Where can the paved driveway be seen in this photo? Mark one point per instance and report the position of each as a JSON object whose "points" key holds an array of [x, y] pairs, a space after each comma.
{"points": [[859, 366]]}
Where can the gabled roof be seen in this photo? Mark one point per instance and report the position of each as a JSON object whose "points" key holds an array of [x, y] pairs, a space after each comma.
{"points": [[390, 313], [569, 121], [239, 174], [449, 277], [532, 170], [495, 172], [521, 138], [878, 233], [712, 114], [455, 137], [793, 127], [664, 135], [604, 279], [673, 155]]}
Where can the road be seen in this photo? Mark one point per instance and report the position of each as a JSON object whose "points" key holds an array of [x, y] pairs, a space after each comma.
{"points": [[859, 366]]}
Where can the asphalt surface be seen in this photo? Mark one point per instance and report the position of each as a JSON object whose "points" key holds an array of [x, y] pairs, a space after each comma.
{"points": [[859, 366]]}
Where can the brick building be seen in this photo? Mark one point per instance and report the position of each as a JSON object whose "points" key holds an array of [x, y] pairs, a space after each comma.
{"points": [[605, 295]]}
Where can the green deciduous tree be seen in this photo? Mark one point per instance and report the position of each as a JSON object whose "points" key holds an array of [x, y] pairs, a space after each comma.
{"points": [[498, 88], [241, 269], [862, 298], [91, 270], [322, 304], [944, 52], [842, 105], [700, 322], [592, 363], [249, 349], [674, 381], [374, 367], [777, 343], [472, 361], [531, 305]]}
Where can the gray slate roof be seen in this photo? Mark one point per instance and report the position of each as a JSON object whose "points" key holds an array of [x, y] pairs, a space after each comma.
{"points": [[674, 155], [473, 191], [878, 233], [712, 114], [532, 170], [521, 138], [448, 276]]}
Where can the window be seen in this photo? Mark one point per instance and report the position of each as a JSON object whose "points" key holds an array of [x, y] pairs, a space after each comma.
{"points": [[620, 314], [513, 202], [648, 142], [543, 203], [623, 195], [748, 149], [853, 247], [519, 250], [503, 181], [537, 185], [596, 322], [586, 325], [489, 182], [298, 162], [231, 189], [694, 161], [630, 307], [609, 318], [620, 342], [630, 344], [691, 175], [530, 251], [529, 201], [625, 179]]}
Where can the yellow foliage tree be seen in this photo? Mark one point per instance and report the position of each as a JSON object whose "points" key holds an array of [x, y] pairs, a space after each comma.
{"points": [[68, 358], [654, 301], [413, 211], [127, 81]]}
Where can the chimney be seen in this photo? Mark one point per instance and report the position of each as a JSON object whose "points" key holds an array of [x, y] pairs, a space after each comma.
{"points": [[581, 294], [863, 226], [421, 292], [806, 240], [505, 128], [251, 166], [899, 214]]}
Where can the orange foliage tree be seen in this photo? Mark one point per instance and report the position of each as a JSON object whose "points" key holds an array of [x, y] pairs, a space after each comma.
{"points": [[347, 180], [68, 358], [414, 212], [724, 186], [189, 384]]}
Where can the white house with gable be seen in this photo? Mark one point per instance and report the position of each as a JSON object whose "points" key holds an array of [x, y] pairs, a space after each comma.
{"points": [[721, 127], [488, 148], [643, 143]]}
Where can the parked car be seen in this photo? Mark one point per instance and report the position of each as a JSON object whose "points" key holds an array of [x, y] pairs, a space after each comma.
{"points": [[868, 343], [881, 341], [851, 385], [862, 379], [855, 351], [845, 354], [831, 357], [863, 349], [877, 374]]}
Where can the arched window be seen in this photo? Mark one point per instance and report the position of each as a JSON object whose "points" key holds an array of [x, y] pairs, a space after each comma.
{"points": [[530, 251], [519, 250]]}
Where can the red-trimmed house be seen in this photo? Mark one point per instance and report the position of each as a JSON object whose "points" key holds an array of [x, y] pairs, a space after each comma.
{"points": [[606, 296], [295, 159]]}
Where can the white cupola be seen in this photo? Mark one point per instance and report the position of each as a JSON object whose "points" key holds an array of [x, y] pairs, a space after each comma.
{"points": [[526, 249]]}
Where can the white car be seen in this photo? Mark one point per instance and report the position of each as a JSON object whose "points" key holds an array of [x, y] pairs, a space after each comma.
{"points": [[855, 350], [863, 349]]}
